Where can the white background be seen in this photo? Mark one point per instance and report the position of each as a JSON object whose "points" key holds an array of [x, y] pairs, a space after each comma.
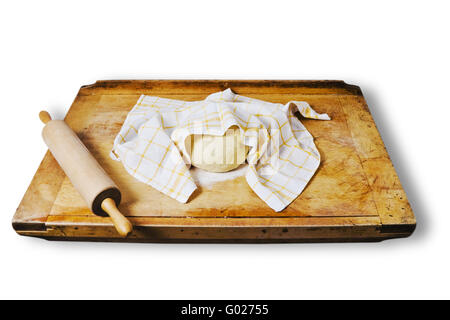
{"points": [[397, 51]]}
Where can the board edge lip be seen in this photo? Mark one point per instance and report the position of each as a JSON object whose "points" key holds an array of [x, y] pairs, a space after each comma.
{"points": [[404, 228], [19, 226], [225, 83]]}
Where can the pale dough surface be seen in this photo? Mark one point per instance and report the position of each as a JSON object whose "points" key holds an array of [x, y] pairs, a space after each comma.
{"points": [[217, 153]]}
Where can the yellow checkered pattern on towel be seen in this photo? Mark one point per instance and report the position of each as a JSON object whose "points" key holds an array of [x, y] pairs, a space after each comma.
{"points": [[282, 157]]}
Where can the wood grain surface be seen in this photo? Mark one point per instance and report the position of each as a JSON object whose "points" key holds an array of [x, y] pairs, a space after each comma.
{"points": [[354, 196]]}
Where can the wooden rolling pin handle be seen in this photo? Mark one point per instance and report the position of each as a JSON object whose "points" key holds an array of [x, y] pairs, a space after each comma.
{"points": [[45, 116], [123, 226]]}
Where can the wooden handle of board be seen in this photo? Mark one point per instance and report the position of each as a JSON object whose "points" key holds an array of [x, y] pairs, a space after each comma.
{"points": [[87, 176], [123, 226]]}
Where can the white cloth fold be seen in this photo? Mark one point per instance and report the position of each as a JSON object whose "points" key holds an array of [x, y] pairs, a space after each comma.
{"points": [[282, 156]]}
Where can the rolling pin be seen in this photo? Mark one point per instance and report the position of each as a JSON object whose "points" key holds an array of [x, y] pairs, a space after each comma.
{"points": [[87, 176]]}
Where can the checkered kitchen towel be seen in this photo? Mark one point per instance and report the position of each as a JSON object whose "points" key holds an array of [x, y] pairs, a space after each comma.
{"points": [[282, 157]]}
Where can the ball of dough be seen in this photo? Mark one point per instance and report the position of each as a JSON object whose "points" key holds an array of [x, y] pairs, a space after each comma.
{"points": [[217, 153]]}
